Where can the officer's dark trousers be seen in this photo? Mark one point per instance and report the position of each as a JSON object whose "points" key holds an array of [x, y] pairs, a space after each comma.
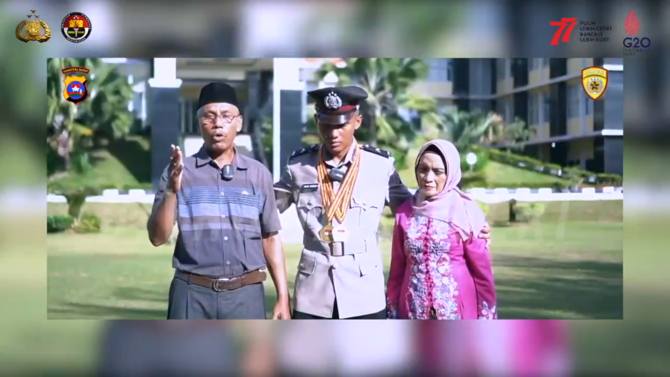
{"points": [[190, 301], [336, 315]]}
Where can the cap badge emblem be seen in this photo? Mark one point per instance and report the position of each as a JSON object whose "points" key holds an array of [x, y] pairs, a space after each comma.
{"points": [[332, 101]]}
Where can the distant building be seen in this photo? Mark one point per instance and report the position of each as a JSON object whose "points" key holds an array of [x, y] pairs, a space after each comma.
{"points": [[572, 130], [547, 94]]}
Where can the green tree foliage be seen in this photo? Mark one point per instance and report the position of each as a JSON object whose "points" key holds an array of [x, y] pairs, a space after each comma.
{"points": [[388, 82], [104, 115]]}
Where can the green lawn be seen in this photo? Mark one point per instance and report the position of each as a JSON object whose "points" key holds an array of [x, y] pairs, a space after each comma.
{"points": [[567, 266], [125, 162], [501, 175], [497, 175]]}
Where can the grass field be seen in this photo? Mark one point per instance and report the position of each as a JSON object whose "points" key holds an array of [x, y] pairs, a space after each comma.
{"points": [[117, 164], [569, 265]]}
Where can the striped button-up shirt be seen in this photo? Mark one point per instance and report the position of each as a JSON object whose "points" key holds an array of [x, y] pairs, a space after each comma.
{"points": [[221, 223]]}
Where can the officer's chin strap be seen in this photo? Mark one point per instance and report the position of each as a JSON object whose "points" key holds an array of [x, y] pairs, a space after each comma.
{"points": [[227, 172]]}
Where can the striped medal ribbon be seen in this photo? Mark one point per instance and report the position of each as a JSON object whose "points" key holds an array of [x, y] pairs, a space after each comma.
{"points": [[336, 205]]}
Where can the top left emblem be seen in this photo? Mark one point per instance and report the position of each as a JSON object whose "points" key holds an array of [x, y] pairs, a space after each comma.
{"points": [[35, 30]]}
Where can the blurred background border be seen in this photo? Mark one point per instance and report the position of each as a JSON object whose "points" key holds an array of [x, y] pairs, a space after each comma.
{"points": [[258, 29]]}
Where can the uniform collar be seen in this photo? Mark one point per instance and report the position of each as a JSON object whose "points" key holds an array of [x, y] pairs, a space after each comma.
{"points": [[202, 159], [348, 158]]}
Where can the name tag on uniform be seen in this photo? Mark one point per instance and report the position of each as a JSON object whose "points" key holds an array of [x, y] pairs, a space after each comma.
{"points": [[340, 234], [311, 187]]}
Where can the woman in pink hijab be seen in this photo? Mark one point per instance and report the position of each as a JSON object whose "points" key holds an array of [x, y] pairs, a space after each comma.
{"points": [[439, 270]]}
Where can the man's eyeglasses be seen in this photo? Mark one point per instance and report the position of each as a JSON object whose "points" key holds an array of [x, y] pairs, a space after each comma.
{"points": [[211, 118]]}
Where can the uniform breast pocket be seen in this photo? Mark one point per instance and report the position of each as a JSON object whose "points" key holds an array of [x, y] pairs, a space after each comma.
{"points": [[252, 243], [367, 209], [310, 211]]}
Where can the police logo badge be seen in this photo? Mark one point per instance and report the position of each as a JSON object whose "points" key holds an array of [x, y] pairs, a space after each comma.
{"points": [[76, 27], [594, 81], [33, 29], [76, 84], [332, 101]]}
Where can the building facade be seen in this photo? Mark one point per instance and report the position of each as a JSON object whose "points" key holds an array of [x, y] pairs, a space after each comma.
{"points": [[547, 94]]}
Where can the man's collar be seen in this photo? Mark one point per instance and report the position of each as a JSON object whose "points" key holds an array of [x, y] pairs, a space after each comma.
{"points": [[203, 159]]}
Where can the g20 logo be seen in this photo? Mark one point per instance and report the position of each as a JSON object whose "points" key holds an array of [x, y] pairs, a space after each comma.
{"points": [[636, 42]]}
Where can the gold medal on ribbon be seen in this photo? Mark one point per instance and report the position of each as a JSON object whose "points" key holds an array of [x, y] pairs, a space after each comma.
{"points": [[336, 205], [326, 233]]}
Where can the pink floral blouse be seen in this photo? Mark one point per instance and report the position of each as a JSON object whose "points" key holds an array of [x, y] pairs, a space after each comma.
{"points": [[435, 274]]}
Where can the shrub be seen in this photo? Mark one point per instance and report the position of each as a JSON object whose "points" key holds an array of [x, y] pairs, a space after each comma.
{"points": [[74, 194], [59, 223], [88, 223], [474, 179], [609, 179], [482, 160], [81, 162], [484, 207], [524, 212], [138, 186], [575, 175], [400, 159]]}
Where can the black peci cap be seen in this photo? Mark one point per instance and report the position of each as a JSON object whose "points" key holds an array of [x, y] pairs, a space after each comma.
{"points": [[336, 105], [218, 92]]}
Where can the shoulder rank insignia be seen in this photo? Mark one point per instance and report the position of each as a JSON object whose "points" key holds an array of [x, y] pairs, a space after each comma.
{"points": [[375, 150], [300, 152]]}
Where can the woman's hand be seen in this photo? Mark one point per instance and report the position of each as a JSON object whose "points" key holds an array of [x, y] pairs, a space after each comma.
{"points": [[486, 234]]}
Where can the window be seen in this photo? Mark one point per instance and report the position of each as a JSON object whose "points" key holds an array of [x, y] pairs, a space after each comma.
{"points": [[533, 114], [500, 107], [545, 62], [500, 69], [509, 68], [546, 108], [189, 119], [533, 64], [573, 100], [450, 69], [505, 108], [588, 105], [509, 110], [437, 71], [446, 108]]}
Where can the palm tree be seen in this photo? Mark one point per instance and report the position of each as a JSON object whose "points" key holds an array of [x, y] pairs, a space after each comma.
{"points": [[465, 128], [104, 114], [64, 133], [511, 136], [388, 83]]}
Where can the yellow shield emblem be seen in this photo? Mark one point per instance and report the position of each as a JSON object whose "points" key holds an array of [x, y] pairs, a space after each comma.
{"points": [[76, 89], [594, 81]]}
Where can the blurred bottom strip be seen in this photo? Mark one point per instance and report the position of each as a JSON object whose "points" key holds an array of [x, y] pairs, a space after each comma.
{"points": [[370, 348], [509, 348]]}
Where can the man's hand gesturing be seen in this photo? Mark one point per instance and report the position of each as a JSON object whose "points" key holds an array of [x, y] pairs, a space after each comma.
{"points": [[175, 170]]}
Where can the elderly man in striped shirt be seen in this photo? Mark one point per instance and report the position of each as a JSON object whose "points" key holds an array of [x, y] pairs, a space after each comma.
{"points": [[228, 221]]}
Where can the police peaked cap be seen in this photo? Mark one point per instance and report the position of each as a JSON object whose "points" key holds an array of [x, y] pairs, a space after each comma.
{"points": [[336, 105]]}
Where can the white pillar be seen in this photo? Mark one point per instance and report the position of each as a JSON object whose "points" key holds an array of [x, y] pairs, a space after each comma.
{"points": [[286, 76], [163, 111], [165, 74]]}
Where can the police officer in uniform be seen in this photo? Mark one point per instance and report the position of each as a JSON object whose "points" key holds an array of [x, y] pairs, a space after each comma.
{"points": [[340, 188]]}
